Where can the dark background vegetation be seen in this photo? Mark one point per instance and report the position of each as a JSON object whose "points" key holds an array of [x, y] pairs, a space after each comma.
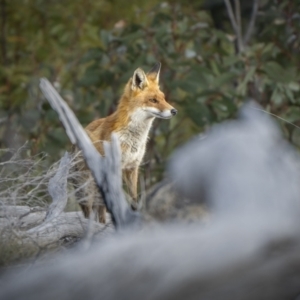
{"points": [[89, 49]]}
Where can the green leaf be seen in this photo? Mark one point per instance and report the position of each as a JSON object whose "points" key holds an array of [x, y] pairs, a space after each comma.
{"points": [[199, 113], [242, 88], [277, 97], [277, 73], [292, 114], [224, 78], [294, 86]]}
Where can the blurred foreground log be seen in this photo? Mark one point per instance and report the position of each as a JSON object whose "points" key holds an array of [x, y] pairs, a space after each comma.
{"points": [[224, 261]]}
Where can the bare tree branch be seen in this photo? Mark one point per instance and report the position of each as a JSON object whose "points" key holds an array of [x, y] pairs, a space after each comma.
{"points": [[66, 228], [29, 231], [252, 22], [21, 217], [231, 15], [236, 22], [71, 224], [15, 211], [239, 25], [58, 188]]}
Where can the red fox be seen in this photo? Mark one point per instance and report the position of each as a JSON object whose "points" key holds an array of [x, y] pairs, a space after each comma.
{"points": [[141, 102]]}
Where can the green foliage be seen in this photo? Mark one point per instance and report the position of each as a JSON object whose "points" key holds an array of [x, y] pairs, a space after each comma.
{"points": [[90, 60]]}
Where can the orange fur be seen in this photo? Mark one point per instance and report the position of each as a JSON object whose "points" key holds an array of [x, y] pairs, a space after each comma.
{"points": [[140, 103]]}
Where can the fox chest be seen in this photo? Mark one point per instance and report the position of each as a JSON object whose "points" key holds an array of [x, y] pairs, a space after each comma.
{"points": [[133, 146]]}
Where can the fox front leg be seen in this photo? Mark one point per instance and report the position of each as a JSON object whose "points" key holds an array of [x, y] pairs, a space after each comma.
{"points": [[130, 177]]}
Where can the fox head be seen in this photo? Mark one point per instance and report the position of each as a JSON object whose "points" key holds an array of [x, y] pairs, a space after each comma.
{"points": [[144, 95]]}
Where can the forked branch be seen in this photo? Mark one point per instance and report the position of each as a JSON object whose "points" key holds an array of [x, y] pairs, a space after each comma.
{"points": [[106, 172], [252, 22], [236, 22]]}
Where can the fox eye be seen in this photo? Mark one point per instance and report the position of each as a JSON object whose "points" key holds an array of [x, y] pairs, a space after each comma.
{"points": [[153, 100]]}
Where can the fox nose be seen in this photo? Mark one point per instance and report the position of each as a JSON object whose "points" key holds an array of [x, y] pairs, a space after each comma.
{"points": [[174, 111]]}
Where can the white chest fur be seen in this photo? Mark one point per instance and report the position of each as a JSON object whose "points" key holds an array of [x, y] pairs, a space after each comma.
{"points": [[133, 139]]}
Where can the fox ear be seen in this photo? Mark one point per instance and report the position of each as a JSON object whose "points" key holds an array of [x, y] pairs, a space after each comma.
{"points": [[139, 80], [154, 72]]}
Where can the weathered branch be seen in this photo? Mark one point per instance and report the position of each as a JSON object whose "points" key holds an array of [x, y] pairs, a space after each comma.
{"points": [[66, 228], [26, 231], [21, 217], [16, 211], [239, 25], [45, 231], [58, 188], [105, 171], [71, 224], [236, 22], [231, 16], [252, 22]]}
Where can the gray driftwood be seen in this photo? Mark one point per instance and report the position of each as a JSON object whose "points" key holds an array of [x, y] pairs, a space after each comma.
{"points": [[57, 189], [26, 231]]}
